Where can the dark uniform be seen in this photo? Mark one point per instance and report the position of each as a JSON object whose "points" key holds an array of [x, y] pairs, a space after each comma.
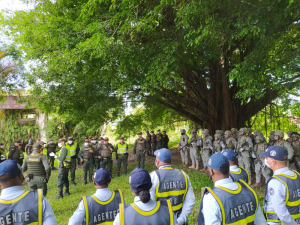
{"points": [[98, 146], [153, 143], [106, 156], [51, 147], [28, 148], [86, 154], [148, 146], [158, 140], [165, 140], [96, 149], [2, 153], [38, 170], [73, 148], [14, 153], [139, 149], [122, 156]]}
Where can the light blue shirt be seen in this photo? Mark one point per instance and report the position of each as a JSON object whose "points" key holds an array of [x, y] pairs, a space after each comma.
{"points": [[277, 199], [211, 208], [78, 216], [14, 192]]}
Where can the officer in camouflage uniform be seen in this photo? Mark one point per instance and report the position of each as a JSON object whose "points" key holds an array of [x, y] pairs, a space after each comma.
{"points": [[2, 153], [86, 156], [148, 147], [290, 138], [153, 143], [230, 141], [139, 150], [234, 132], [38, 168], [165, 140], [206, 146], [158, 140], [183, 146], [194, 145], [271, 139], [73, 148], [279, 135], [28, 147], [244, 147], [121, 150], [51, 147], [249, 134], [295, 164], [222, 135], [260, 168], [218, 144], [106, 155]]}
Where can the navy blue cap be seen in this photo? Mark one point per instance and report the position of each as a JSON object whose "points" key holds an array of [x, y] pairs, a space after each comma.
{"points": [[163, 154], [140, 180], [275, 152], [229, 154], [102, 176], [216, 161], [11, 168]]}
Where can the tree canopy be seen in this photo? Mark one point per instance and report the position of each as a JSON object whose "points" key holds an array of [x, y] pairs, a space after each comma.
{"points": [[216, 63]]}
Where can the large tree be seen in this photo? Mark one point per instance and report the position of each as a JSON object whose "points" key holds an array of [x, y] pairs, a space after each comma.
{"points": [[217, 63]]}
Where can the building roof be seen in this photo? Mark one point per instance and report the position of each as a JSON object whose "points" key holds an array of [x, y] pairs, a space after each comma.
{"points": [[12, 103]]}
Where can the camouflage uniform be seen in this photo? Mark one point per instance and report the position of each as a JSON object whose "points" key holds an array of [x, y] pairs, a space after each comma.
{"points": [[271, 140], [295, 164], [290, 138], [183, 145], [235, 135], [218, 144], [284, 144], [230, 141], [207, 146], [195, 144]]}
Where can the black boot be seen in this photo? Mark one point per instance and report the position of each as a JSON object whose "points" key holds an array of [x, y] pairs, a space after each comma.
{"points": [[60, 195], [85, 182], [73, 182], [67, 192]]}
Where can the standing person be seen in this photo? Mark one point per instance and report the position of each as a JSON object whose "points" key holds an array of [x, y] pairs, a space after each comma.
{"points": [[228, 202], [101, 207], [139, 150], [282, 190], [244, 147], [295, 164], [158, 140], [38, 168], [144, 211], [260, 168], [21, 159], [153, 143], [279, 135], [38, 140], [94, 146], [207, 146], [51, 147], [121, 150], [64, 157], [236, 173], [290, 138], [13, 152], [97, 152], [44, 150], [18, 206], [2, 153], [165, 140], [73, 149], [173, 184], [183, 146], [230, 141], [195, 144], [234, 132], [218, 144], [148, 146], [86, 156], [250, 135], [272, 140], [106, 155], [28, 147]]}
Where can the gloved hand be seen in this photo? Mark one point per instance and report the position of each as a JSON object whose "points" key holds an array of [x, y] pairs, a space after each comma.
{"points": [[241, 150], [52, 154], [253, 155]]}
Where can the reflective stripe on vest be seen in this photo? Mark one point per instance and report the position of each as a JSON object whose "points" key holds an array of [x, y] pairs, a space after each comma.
{"points": [[71, 149], [20, 212], [172, 185], [68, 157], [237, 207], [241, 175], [122, 148], [98, 212], [292, 200], [162, 213]]}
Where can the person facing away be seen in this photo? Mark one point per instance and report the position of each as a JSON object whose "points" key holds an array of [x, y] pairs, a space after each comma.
{"points": [[18, 206], [144, 210], [101, 207]]}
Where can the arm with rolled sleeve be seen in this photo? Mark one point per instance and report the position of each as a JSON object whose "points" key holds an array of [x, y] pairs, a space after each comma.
{"points": [[48, 214], [277, 200], [78, 216], [188, 204]]}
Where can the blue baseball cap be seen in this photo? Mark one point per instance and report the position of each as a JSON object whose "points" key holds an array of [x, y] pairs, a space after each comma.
{"points": [[11, 168], [163, 154], [216, 161], [102, 176], [140, 180], [229, 154], [275, 152]]}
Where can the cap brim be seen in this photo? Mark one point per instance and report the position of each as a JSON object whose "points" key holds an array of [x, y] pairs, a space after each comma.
{"points": [[263, 154]]}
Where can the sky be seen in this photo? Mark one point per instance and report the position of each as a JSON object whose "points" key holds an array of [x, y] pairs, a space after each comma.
{"points": [[14, 5]]}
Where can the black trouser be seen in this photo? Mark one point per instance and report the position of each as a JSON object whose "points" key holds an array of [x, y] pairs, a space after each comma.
{"points": [[51, 158]]}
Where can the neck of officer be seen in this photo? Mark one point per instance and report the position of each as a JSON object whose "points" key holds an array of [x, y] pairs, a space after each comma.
{"points": [[161, 164], [279, 165], [231, 163]]}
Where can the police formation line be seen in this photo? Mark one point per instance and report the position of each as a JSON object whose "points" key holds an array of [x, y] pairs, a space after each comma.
{"points": [[165, 196]]}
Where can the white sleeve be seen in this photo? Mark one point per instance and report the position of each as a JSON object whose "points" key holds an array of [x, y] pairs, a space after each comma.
{"points": [[188, 204], [259, 217], [155, 182], [78, 216], [211, 210], [117, 220], [48, 214]]}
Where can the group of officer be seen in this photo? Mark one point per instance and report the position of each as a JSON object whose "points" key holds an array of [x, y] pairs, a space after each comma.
{"points": [[165, 196], [245, 144]]}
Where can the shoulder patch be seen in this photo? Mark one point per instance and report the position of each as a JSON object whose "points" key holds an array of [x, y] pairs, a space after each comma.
{"points": [[271, 191]]}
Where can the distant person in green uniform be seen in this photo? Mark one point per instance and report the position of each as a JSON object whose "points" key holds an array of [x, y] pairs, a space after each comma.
{"points": [[73, 150], [28, 147], [86, 156], [122, 155], [13, 151], [139, 150], [106, 155], [51, 147], [21, 159]]}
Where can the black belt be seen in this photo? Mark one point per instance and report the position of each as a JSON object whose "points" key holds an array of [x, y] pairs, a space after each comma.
{"points": [[122, 155]]}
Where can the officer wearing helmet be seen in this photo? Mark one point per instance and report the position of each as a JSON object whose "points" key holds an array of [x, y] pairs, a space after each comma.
{"points": [[234, 134], [195, 144], [207, 146], [249, 133], [279, 135], [260, 168], [271, 139], [244, 147], [218, 144], [230, 141], [183, 145], [295, 164], [290, 138]]}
